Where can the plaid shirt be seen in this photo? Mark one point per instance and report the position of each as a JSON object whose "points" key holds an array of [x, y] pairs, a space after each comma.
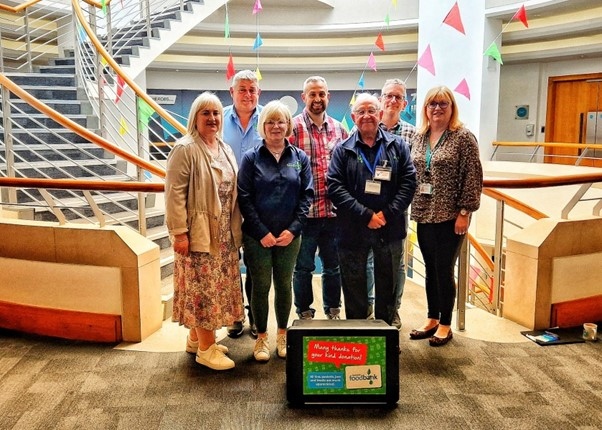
{"points": [[403, 129], [318, 143]]}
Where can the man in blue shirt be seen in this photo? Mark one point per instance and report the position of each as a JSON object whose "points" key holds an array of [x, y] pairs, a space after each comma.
{"points": [[240, 132]]}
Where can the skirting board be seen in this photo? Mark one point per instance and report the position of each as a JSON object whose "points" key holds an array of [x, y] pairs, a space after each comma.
{"points": [[61, 323], [576, 312]]}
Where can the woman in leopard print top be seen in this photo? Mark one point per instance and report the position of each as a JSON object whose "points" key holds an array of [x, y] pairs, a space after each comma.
{"points": [[450, 179]]}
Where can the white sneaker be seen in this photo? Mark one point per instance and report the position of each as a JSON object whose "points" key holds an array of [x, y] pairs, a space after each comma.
{"points": [[193, 345], [214, 358], [261, 352], [281, 345]]}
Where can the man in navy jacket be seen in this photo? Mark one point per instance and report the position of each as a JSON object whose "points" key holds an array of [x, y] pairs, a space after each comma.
{"points": [[371, 181]]}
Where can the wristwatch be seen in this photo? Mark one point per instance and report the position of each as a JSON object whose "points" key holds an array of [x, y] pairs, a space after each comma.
{"points": [[464, 212]]}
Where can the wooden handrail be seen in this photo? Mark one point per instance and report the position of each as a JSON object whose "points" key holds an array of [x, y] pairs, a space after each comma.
{"points": [[81, 131], [130, 82], [547, 144], [481, 251], [542, 182], [514, 203], [19, 8], [76, 184]]}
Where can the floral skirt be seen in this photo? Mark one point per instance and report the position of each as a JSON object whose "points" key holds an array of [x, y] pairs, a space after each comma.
{"points": [[207, 289]]}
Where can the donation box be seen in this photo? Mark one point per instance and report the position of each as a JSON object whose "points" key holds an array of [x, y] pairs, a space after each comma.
{"points": [[342, 362]]}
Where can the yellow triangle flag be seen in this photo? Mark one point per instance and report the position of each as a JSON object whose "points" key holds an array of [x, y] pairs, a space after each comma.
{"points": [[123, 126], [258, 74]]}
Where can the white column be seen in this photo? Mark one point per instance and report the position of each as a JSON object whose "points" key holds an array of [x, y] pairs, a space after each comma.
{"points": [[457, 57]]}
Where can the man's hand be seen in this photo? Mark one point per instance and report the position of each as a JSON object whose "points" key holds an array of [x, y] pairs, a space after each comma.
{"points": [[377, 221]]}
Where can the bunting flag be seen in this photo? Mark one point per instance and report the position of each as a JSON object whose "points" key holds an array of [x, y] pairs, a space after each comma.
{"points": [[387, 20], [361, 82], [103, 61], [372, 61], [394, 2], [345, 124], [144, 113], [120, 87], [81, 32], [258, 74], [227, 28], [352, 101], [258, 42], [522, 15], [123, 126], [230, 71], [426, 60], [463, 89], [453, 18], [257, 7], [494, 53], [103, 6], [379, 42]]}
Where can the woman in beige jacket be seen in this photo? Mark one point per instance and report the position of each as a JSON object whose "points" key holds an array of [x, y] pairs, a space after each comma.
{"points": [[204, 224]]}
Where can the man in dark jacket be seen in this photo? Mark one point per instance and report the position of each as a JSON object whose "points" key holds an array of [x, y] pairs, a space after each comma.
{"points": [[371, 181]]}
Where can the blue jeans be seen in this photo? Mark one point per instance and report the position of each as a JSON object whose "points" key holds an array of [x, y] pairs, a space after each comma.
{"points": [[353, 261], [400, 283], [265, 262], [318, 234]]}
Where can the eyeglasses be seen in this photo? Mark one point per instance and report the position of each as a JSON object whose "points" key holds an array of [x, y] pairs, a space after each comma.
{"points": [[363, 112], [252, 91], [442, 105], [273, 123], [390, 97]]}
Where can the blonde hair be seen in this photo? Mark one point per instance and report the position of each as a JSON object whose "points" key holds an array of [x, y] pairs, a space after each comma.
{"points": [[275, 110], [205, 100], [441, 93]]}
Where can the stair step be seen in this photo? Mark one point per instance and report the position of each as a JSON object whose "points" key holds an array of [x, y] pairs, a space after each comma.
{"points": [[47, 80]]}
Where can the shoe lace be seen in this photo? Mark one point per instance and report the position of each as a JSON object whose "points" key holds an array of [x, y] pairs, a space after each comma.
{"points": [[261, 345]]}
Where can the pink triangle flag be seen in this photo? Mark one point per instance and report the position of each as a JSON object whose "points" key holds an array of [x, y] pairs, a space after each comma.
{"points": [[522, 15], [463, 89], [453, 18], [372, 62], [257, 7], [426, 60]]}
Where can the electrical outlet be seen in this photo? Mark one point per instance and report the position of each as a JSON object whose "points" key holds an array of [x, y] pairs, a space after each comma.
{"points": [[530, 130]]}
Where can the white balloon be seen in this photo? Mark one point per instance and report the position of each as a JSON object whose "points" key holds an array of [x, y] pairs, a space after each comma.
{"points": [[290, 103]]}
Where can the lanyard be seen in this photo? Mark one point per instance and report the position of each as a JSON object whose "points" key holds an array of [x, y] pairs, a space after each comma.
{"points": [[372, 167], [429, 153]]}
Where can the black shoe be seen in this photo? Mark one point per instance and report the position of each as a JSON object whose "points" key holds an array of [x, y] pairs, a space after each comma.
{"points": [[254, 330], [419, 334], [440, 341], [236, 329]]}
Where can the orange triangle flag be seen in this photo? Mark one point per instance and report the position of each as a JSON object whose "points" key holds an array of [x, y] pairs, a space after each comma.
{"points": [[453, 18], [379, 42], [522, 15], [230, 69]]}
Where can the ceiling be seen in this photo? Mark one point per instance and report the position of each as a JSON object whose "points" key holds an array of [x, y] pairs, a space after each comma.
{"points": [[333, 35]]}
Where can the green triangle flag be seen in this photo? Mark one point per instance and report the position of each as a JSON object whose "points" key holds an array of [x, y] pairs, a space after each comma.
{"points": [[345, 124], [387, 20], [494, 53], [144, 113], [103, 5]]}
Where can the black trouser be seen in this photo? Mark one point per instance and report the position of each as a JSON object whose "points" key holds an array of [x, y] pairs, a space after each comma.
{"points": [[440, 247], [353, 276]]}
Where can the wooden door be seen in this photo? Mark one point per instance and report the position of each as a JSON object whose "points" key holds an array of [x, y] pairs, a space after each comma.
{"points": [[569, 100]]}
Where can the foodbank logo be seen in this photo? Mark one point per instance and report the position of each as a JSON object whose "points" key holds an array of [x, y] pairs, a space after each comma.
{"points": [[363, 377]]}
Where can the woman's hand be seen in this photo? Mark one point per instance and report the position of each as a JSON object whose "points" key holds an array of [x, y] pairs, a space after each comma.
{"points": [[462, 223], [181, 244], [285, 238], [268, 240]]}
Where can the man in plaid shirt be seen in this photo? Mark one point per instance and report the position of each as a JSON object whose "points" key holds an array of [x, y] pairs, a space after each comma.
{"points": [[317, 134]]}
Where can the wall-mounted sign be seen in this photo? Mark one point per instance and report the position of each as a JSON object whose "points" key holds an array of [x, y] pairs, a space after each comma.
{"points": [[521, 112], [169, 99]]}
